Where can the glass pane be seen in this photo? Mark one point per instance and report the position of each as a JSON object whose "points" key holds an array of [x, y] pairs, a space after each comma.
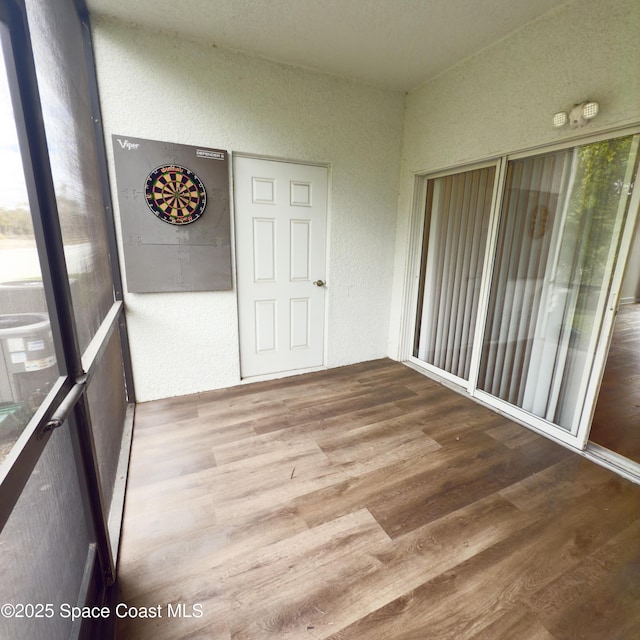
{"points": [[44, 546], [59, 57], [457, 219], [108, 405], [27, 359], [561, 225]]}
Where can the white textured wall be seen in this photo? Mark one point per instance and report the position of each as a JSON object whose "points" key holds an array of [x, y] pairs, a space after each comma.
{"points": [[156, 86], [502, 100]]}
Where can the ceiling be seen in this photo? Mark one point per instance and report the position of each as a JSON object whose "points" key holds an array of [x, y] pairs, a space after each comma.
{"points": [[395, 44]]}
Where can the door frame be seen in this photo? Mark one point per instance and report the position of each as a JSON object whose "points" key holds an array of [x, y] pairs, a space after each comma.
{"points": [[577, 441], [272, 158]]}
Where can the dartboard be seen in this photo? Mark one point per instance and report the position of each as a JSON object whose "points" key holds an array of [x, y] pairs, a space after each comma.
{"points": [[175, 194]]}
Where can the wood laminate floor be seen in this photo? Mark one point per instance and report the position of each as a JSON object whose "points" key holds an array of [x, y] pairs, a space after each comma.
{"points": [[616, 421], [369, 503]]}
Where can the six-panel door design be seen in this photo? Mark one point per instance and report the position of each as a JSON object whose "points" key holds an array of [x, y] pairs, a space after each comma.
{"points": [[281, 219]]}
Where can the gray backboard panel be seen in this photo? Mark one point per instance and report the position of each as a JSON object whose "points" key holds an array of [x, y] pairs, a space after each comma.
{"points": [[163, 257]]}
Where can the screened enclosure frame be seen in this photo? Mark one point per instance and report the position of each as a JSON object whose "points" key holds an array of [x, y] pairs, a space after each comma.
{"points": [[66, 406], [577, 436]]}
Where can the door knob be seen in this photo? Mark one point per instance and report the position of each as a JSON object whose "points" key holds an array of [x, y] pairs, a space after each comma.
{"points": [[319, 283]]}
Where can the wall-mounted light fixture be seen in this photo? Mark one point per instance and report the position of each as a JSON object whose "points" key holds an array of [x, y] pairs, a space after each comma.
{"points": [[579, 115], [560, 119]]}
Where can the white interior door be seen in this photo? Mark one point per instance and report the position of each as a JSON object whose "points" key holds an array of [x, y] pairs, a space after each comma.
{"points": [[281, 224]]}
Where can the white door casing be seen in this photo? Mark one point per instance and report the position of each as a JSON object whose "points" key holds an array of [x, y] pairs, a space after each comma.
{"points": [[281, 228]]}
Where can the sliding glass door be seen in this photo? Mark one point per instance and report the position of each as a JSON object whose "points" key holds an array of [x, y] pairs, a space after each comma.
{"points": [[534, 344], [455, 235], [560, 232]]}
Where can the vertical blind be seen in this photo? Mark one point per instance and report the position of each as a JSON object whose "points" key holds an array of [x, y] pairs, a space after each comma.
{"points": [[457, 219], [530, 209]]}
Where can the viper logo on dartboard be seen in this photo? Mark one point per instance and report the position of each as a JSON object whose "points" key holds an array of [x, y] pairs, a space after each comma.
{"points": [[175, 194]]}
